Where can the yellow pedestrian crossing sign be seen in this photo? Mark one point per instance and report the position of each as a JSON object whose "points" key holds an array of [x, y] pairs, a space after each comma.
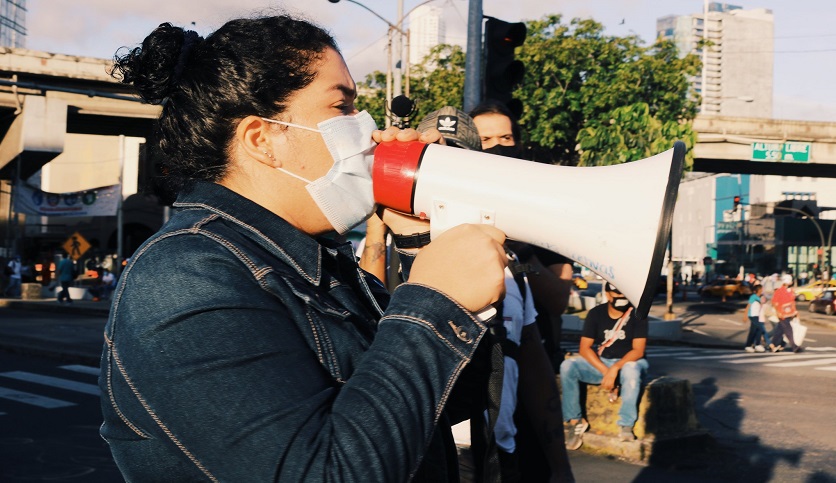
{"points": [[76, 245]]}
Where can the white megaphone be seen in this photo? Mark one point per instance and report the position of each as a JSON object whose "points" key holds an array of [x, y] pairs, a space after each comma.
{"points": [[615, 220]]}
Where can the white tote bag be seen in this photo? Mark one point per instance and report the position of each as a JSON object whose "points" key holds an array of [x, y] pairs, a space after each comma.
{"points": [[799, 331]]}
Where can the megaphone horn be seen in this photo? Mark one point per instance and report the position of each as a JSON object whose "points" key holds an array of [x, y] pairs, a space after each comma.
{"points": [[615, 220]]}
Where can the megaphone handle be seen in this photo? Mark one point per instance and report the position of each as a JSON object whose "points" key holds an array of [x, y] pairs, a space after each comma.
{"points": [[486, 313]]}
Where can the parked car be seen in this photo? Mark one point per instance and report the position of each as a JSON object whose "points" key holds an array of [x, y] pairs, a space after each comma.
{"points": [[726, 287], [825, 302], [811, 290]]}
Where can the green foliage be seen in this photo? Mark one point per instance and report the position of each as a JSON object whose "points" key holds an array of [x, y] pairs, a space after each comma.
{"points": [[588, 98], [593, 99]]}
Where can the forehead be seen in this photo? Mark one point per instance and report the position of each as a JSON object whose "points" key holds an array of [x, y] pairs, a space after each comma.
{"points": [[492, 124], [333, 75]]}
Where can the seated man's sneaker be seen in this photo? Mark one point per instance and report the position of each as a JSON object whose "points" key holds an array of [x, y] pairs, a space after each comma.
{"points": [[626, 434], [574, 438]]}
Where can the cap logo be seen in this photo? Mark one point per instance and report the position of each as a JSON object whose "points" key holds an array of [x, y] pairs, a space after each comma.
{"points": [[447, 124]]}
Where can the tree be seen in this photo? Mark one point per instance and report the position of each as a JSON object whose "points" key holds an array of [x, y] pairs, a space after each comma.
{"points": [[592, 99], [588, 98]]}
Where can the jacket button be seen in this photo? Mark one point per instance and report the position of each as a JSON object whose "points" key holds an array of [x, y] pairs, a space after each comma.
{"points": [[461, 334]]}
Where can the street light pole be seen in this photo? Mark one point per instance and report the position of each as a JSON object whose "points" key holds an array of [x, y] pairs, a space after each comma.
{"points": [[393, 27]]}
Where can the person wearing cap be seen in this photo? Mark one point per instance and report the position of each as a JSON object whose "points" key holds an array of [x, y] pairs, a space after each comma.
{"points": [[783, 300], [551, 279], [618, 365], [528, 376]]}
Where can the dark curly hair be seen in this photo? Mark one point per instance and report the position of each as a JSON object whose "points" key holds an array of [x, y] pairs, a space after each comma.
{"points": [[246, 67]]}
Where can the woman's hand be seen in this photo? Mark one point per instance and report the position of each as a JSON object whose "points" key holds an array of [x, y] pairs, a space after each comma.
{"points": [[393, 133], [400, 223], [466, 262]]}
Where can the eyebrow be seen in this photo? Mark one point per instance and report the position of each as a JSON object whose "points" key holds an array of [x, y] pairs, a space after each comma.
{"points": [[347, 91]]}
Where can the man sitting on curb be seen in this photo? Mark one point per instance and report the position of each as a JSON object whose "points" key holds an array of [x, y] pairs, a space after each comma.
{"points": [[617, 365]]}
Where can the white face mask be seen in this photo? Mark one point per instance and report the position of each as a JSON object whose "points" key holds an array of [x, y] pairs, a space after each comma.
{"points": [[344, 194]]}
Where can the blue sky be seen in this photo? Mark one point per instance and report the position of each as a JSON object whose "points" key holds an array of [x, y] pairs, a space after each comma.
{"points": [[805, 39]]}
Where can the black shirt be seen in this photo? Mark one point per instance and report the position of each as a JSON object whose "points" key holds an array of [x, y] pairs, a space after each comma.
{"points": [[599, 324]]}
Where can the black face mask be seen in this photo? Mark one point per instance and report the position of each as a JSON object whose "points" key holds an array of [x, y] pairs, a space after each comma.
{"points": [[620, 304], [507, 151]]}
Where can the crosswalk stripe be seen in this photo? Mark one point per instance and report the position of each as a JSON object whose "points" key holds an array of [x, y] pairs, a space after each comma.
{"points": [[33, 399], [669, 354], [53, 381], [774, 357], [93, 371], [811, 362], [729, 355]]}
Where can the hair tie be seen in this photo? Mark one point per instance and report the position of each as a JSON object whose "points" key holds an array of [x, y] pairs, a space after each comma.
{"points": [[190, 38]]}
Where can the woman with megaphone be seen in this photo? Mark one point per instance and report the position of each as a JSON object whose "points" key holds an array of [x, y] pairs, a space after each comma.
{"points": [[245, 345]]}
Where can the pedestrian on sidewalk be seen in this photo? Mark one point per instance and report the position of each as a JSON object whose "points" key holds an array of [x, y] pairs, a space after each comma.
{"points": [[13, 269], [784, 302], [756, 318], [66, 277]]}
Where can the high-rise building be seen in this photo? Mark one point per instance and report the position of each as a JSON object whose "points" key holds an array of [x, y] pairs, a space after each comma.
{"points": [[426, 30], [737, 74], [13, 23]]}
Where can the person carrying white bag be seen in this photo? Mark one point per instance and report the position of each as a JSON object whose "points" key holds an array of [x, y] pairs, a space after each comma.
{"points": [[784, 302]]}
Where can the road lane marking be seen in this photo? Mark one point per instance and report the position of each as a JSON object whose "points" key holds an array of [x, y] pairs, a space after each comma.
{"points": [[93, 371], [829, 368], [730, 355], [733, 322], [774, 357], [53, 381], [810, 362], [33, 399]]}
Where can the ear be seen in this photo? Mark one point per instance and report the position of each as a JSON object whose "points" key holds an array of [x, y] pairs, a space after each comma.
{"points": [[256, 138]]}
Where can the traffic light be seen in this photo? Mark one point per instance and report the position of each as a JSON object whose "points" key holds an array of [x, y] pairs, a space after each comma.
{"points": [[502, 71], [736, 203]]}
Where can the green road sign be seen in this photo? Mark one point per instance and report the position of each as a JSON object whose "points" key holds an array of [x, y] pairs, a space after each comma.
{"points": [[788, 151]]}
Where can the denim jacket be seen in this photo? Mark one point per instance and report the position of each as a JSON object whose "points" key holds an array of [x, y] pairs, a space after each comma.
{"points": [[240, 349]]}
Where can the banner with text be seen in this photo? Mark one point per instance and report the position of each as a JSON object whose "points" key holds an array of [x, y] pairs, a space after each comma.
{"points": [[94, 202]]}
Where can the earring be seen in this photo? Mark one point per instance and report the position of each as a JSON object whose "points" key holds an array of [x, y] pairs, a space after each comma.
{"points": [[268, 154]]}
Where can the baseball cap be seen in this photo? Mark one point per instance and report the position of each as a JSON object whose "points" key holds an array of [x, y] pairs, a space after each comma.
{"points": [[455, 126]]}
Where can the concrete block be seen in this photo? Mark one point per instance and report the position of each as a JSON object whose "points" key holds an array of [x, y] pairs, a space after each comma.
{"points": [[659, 329], [571, 323], [30, 291], [666, 415]]}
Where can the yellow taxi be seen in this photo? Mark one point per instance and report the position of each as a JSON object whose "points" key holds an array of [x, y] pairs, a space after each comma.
{"points": [[811, 290], [726, 287]]}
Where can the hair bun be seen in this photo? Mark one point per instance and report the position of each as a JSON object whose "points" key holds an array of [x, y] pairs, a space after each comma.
{"points": [[156, 67]]}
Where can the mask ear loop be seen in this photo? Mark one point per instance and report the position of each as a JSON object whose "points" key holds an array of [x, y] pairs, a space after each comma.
{"points": [[276, 121]]}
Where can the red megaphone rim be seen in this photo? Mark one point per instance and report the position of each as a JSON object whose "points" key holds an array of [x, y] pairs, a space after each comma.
{"points": [[395, 173]]}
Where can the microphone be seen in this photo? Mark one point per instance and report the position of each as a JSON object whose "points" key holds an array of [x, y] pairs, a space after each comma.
{"points": [[402, 107]]}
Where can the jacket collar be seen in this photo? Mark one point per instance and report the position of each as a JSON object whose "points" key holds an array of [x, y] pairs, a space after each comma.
{"points": [[301, 252]]}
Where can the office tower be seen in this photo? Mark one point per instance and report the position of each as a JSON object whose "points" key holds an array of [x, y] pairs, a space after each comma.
{"points": [[426, 30], [738, 63], [13, 23]]}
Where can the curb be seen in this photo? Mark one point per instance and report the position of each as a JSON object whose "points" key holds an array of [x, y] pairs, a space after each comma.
{"points": [[53, 306]]}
